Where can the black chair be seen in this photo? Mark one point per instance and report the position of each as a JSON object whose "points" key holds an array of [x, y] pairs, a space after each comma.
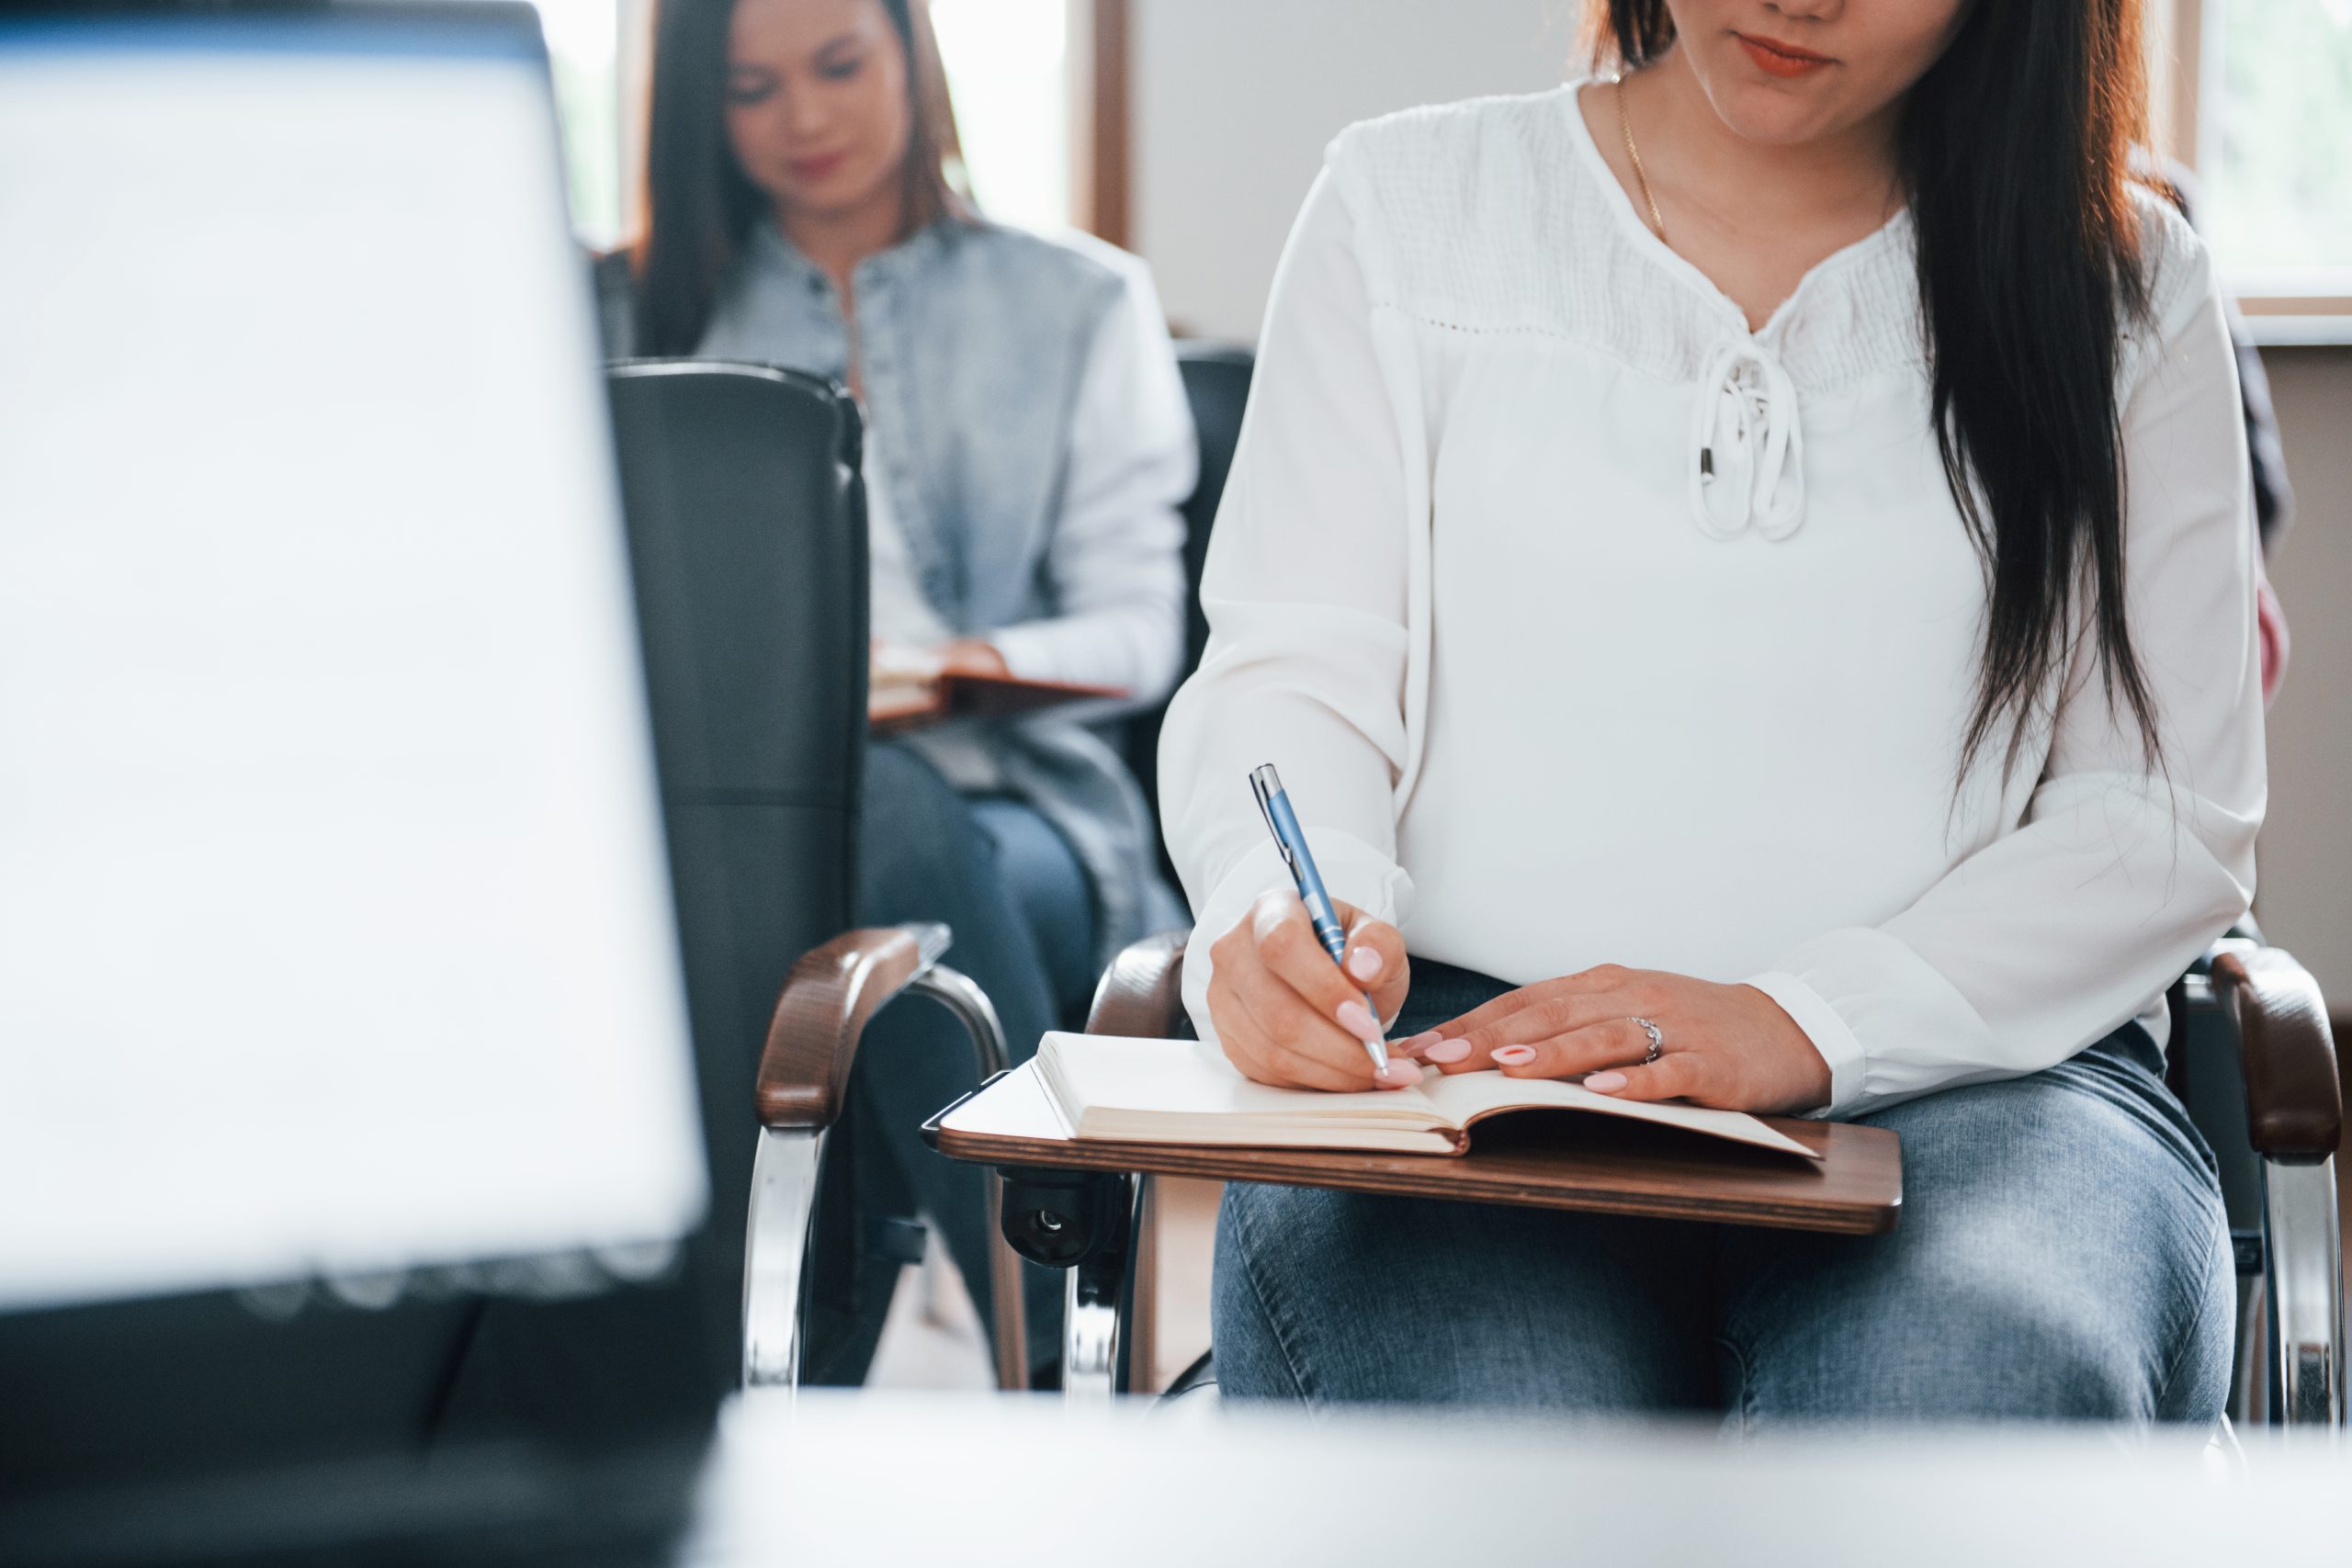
{"points": [[1217, 384], [747, 531], [2254, 1061]]}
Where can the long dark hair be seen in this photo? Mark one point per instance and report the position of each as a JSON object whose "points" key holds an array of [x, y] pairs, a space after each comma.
{"points": [[699, 205], [2014, 150]]}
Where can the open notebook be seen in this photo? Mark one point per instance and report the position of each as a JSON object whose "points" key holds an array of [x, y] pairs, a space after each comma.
{"points": [[1171, 1092], [908, 688], [894, 705]]}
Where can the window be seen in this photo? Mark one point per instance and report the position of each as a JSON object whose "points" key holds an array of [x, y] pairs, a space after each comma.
{"points": [[1008, 68], [2255, 95], [583, 45], [2274, 128], [1014, 67]]}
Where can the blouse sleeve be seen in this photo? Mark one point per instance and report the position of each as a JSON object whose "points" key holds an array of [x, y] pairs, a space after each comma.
{"points": [[2118, 874], [1306, 595], [1114, 568]]}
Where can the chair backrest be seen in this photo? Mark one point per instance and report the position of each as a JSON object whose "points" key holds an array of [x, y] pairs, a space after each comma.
{"points": [[747, 531], [1217, 383], [2203, 1067]]}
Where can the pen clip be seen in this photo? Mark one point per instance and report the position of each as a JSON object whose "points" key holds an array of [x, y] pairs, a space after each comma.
{"points": [[1264, 784]]}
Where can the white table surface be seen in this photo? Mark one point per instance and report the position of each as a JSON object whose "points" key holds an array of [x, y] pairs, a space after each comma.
{"points": [[956, 1480]]}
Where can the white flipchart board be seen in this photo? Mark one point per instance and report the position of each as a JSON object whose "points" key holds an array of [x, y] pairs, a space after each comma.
{"points": [[336, 932]]}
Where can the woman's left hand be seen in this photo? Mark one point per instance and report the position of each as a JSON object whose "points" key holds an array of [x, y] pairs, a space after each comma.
{"points": [[1728, 1047]]}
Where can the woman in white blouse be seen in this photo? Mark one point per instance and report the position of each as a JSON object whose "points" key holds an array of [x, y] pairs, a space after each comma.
{"points": [[1745, 573]]}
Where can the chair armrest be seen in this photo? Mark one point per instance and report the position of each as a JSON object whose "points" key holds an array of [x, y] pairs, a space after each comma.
{"points": [[2294, 1104], [1141, 994], [823, 1011]]}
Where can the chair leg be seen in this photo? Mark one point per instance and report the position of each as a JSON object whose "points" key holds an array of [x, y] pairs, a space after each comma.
{"points": [[959, 995], [2304, 1280], [1139, 1331], [1100, 1296], [776, 1254]]}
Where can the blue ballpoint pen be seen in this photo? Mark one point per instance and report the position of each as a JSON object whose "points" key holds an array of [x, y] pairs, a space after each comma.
{"points": [[1267, 785]]}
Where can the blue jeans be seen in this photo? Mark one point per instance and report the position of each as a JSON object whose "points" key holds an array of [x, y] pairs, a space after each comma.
{"points": [[1023, 914], [2062, 1254]]}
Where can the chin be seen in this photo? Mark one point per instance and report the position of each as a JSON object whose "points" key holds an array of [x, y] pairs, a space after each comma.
{"points": [[842, 195], [1775, 114]]}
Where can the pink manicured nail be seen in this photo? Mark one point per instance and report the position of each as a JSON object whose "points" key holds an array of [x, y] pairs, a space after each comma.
{"points": [[1398, 1074], [1356, 1020], [1515, 1055], [1604, 1083], [1413, 1047], [1364, 963], [1448, 1050]]}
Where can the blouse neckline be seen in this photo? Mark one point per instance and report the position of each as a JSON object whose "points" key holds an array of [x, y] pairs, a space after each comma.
{"points": [[1645, 242]]}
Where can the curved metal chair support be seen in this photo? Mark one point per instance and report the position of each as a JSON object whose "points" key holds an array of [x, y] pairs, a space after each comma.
{"points": [[2305, 1291], [824, 1009], [775, 1253], [2294, 1112]]}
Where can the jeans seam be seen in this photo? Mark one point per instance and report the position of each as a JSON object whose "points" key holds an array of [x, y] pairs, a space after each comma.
{"points": [[1291, 1368], [2195, 1322]]}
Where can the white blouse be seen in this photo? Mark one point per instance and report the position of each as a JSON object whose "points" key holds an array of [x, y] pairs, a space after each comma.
{"points": [[1586, 626]]}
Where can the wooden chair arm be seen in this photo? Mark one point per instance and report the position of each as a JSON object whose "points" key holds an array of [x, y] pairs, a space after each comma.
{"points": [[2294, 1104], [823, 1011], [1140, 994]]}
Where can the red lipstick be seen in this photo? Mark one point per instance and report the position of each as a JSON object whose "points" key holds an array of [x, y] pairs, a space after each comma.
{"points": [[1783, 60]]}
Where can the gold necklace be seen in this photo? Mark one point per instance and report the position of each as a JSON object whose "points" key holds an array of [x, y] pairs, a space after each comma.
{"points": [[1641, 176]]}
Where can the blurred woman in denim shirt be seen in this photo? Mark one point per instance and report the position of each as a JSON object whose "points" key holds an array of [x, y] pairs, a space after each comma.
{"points": [[1027, 447]]}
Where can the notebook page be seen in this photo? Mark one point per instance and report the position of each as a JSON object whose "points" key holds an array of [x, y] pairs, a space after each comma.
{"points": [[1464, 1097], [1102, 1072]]}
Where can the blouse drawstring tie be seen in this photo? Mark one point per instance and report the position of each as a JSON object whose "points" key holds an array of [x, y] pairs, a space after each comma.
{"points": [[1747, 445]]}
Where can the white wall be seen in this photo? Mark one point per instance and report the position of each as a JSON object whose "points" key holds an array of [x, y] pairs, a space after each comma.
{"points": [[1235, 100]]}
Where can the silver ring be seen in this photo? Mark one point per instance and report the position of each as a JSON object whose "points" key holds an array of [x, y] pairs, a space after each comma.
{"points": [[1658, 1039]]}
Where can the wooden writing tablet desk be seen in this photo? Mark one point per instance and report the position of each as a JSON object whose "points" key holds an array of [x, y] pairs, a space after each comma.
{"points": [[1085, 1206], [1541, 1159]]}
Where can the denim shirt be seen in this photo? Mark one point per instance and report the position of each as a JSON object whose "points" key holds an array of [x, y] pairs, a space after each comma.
{"points": [[973, 344], [973, 340]]}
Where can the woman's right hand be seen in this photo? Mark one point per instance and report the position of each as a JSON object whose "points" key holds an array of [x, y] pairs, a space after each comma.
{"points": [[1286, 1013]]}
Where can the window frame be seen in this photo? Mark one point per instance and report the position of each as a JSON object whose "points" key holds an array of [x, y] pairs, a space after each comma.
{"points": [[1102, 119], [633, 74]]}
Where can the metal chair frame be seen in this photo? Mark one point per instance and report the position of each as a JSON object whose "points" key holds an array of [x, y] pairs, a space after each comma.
{"points": [[790, 1159]]}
